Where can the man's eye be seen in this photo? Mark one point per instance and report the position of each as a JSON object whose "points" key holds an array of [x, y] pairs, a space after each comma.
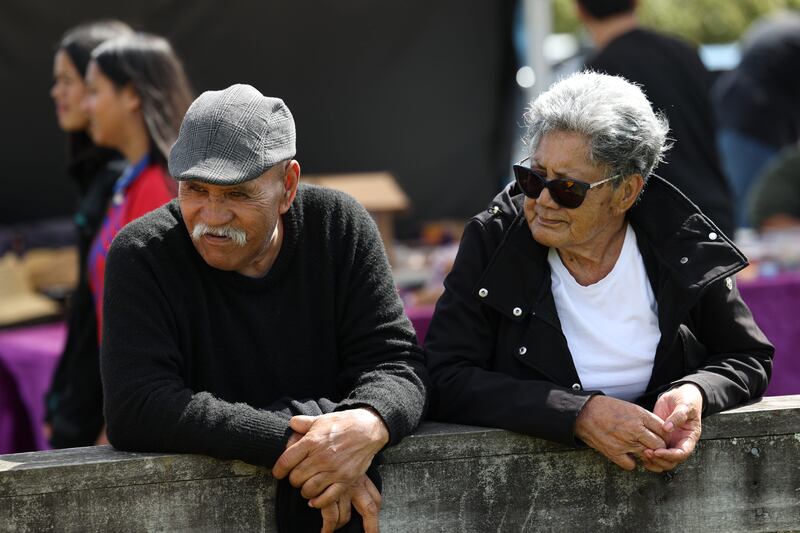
{"points": [[237, 194]]}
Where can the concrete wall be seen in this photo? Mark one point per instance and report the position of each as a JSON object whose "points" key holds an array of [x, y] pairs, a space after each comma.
{"points": [[744, 476]]}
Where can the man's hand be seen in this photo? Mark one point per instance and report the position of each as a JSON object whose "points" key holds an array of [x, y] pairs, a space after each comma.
{"points": [[617, 428], [334, 451], [681, 409], [364, 496]]}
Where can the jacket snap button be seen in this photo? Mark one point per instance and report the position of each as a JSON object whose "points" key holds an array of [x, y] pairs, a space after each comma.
{"points": [[712, 236], [482, 293], [576, 386], [729, 283], [493, 210], [684, 260], [517, 311], [523, 350]]}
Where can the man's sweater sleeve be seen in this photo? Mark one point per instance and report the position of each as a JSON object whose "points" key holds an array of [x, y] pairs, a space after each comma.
{"points": [[148, 406], [382, 366]]}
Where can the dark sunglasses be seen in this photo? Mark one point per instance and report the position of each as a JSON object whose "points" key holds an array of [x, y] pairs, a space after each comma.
{"points": [[567, 192]]}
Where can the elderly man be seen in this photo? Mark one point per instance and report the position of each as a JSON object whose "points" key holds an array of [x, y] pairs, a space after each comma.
{"points": [[250, 299]]}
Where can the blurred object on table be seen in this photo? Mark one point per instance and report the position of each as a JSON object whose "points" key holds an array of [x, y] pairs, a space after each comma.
{"points": [[378, 192], [770, 253], [53, 272], [420, 270], [19, 302]]}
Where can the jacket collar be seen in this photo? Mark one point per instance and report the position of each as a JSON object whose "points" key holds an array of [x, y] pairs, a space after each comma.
{"points": [[685, 241], [688, 246]]}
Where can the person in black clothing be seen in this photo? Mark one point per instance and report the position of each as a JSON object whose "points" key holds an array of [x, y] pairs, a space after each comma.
{"points": [[592, 302], [757, 105], [257, 319], [74, 401], [677, 84]]}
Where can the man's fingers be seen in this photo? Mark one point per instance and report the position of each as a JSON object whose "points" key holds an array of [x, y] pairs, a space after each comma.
{"points": [[368, 507], [302, 423], [313, 486], [373, 491], [330, 518], [289, 459], [293, 439], [344, 510], [328, 496], [677, 418]]}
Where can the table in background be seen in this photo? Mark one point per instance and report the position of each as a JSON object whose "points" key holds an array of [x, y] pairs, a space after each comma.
{"points": [[28, 358]]}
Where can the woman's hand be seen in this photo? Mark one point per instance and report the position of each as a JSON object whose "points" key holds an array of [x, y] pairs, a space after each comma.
{"points": [[619, 429], [681, 410]]}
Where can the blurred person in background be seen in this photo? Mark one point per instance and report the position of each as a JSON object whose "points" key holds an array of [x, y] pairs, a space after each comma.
{"points": [[676, 83], [74, 415], [774, 202], [757, 104], [138, 94]]}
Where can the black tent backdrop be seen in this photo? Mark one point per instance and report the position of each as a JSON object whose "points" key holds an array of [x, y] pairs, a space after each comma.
{"points": [[422, 89]]}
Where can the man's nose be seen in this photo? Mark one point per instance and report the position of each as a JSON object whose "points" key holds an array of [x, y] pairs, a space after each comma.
{"points": [[215, 212]]}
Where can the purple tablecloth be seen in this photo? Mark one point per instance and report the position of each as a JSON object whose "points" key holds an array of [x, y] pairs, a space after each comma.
{"points": [[775, 303], [28, 357]]}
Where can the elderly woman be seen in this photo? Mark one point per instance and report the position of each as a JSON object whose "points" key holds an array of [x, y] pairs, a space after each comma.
{"points": [[592, 301]]}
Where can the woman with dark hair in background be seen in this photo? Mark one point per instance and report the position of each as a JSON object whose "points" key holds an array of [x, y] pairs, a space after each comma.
{"points": [[74, 401], [138, 94]]}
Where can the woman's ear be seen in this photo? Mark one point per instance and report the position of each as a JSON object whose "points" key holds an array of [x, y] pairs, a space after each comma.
{"points": [[130, 98], [628, 191]]}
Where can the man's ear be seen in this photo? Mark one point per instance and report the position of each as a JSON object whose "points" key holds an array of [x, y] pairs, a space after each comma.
{"points": [[291, 179], [629, 191]]}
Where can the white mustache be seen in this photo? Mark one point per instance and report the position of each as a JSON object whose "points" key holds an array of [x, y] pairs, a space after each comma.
{"points": [[238, 236]]}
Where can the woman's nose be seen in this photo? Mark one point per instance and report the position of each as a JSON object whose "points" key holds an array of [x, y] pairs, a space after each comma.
{"points": [[546, 199]]}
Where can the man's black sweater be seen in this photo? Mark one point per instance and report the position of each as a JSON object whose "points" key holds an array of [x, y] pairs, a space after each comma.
{"points": [[199, 360]]}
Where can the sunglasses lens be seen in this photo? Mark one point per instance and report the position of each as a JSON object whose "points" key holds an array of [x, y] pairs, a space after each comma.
{"points": [[529, 181], [567, 193]]}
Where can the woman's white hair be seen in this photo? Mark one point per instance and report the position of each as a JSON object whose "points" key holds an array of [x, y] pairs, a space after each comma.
{"points": [[623, 132]]}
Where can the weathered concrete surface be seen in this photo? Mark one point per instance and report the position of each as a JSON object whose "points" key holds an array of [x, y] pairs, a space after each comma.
{"points": [[744, 476]]}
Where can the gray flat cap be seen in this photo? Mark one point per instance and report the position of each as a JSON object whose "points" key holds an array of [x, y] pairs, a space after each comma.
{"points": [[232, 136]]}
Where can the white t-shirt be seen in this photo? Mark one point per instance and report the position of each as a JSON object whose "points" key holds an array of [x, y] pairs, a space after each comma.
{"points": [[611, 326]]}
